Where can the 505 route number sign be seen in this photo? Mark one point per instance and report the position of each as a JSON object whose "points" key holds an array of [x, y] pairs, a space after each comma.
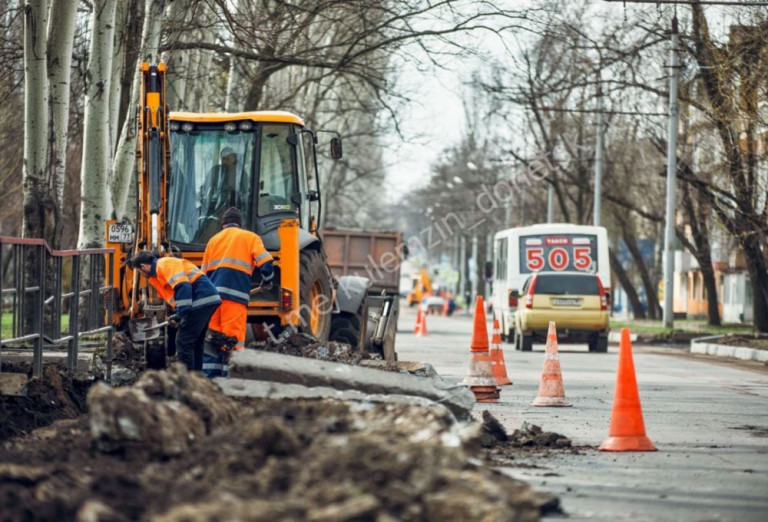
{"points": [[563, 252]]}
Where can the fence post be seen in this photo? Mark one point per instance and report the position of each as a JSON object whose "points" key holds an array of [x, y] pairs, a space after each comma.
{"points": [[18, 322], [110, 310], [56, 294], [74, 314], [37, 361]]}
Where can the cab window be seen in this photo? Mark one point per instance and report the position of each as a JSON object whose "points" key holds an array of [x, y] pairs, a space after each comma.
{"points": [[277, 165]]}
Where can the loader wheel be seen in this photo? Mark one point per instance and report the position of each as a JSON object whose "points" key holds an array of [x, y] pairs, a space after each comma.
{"points": [[345, 328], [315, 301]]}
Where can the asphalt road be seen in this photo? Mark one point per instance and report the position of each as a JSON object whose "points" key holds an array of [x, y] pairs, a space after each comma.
{"points": [[708, 419]]}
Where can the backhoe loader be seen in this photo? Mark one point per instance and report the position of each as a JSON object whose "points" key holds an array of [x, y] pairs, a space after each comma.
{"points": [[193, 166]]}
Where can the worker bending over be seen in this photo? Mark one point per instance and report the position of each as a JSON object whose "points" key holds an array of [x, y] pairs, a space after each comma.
{"points": [[229, 261], [192, 295]]}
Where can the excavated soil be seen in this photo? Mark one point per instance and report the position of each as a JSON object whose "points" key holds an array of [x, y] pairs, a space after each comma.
{"points": [[254, 460], [54, 397], [528, 440], [304, 345]]}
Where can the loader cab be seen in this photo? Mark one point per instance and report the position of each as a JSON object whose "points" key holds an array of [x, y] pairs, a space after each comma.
{"points": [[263, 163]]}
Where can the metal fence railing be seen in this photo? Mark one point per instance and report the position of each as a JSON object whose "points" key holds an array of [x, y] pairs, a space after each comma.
{"points": [[51, 299]]}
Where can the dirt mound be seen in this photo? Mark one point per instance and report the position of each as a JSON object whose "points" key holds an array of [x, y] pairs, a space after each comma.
{"points": [[56, 396], [529, 436], [162, 414], [278, 460], [305, 345]]}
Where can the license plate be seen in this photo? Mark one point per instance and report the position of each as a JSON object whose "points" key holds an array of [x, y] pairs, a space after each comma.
{"points": [[120, 233], [566, 302]]}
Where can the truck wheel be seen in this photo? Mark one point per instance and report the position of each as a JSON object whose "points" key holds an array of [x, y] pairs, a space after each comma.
{"points": [[345, 328], [316, 301]]}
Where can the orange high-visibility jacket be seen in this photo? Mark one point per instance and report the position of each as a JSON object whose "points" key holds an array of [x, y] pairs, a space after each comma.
{"points": [[229, 260], [181, 284]]}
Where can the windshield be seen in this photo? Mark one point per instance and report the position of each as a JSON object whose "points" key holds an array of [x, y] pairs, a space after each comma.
{"points": [[277, 165], [210, 172]]}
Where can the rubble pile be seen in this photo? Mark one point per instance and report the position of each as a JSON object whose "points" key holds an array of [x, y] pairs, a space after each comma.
{"points": [[305, 345], [529, 436], [163, 413], [253, 460]]}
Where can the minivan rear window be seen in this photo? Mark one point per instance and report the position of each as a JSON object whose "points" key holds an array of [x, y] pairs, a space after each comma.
{"points": [[563, 284]]}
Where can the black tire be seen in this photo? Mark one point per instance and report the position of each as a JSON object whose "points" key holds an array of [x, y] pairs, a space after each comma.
{"points": [[314, 274], [347, 336], [599, 345], [526, 343], [345, 328]]}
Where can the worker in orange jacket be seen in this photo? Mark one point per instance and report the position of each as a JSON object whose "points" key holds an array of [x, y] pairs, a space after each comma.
{"points": [[192, 295], [230, 258]]}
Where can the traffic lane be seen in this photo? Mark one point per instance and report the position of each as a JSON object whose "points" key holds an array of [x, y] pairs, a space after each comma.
{"points": [[709, 465]]}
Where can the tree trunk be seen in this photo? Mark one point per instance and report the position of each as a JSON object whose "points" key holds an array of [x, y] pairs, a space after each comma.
{"points": [[626, 284], [94, 193], [38, 200], [758, 275], [654, 310], [125, 156], [233, 100], [61, 34], [118, 64]]}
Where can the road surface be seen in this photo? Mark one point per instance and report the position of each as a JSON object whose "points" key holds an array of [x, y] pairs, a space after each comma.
{"points": [[709, 421]]}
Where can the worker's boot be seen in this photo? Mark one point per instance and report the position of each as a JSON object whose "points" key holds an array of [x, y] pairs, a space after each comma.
{"points": [[214, 364]]}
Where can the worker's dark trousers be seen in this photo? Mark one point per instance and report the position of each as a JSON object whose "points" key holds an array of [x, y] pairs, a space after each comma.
{"points": [[191, 335]]}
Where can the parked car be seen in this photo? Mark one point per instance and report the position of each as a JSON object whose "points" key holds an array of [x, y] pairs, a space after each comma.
{"points": [[576, 302]]}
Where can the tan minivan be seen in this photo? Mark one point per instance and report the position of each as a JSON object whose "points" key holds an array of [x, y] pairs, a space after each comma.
{"points": [[576, 302]]}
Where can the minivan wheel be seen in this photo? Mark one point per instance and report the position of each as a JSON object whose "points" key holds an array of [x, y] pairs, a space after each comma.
{"points": [[526, 343], [599, 345]]}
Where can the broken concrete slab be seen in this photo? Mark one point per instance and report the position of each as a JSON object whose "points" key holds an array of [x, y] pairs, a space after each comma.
{"points": [[272, 390], [13, 384], [286, 369], [84, 359], [417, 368]]}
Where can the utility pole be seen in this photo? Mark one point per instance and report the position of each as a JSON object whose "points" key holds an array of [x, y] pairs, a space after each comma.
{"points": [[463, 267], [598, 154], [475, 267], [551, 203], [669, 233]]}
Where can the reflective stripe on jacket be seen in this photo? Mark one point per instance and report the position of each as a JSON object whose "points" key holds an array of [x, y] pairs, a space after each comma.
{"points": [[182, 285], [229, 260]]}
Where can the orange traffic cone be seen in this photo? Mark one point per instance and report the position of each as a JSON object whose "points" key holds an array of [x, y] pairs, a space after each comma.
{"points": [[498, 366], [421, 324], [627, 431], [446, 305], [479, 374], [551, 392]]}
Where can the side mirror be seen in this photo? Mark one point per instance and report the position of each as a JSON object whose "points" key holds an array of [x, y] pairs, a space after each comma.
{"points": [[313, 195], [488, 271], [336, 148]]}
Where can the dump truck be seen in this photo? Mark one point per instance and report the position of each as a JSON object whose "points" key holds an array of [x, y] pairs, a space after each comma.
{"points": [[193, 166], [372, 257]]}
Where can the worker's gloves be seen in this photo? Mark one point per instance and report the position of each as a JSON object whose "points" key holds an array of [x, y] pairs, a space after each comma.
{"points": [[174, 320], [263, 287]]}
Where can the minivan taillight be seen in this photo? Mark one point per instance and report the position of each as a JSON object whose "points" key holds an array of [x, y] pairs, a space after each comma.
{"points": [[603, 297], [512, 300], [529, 294]]}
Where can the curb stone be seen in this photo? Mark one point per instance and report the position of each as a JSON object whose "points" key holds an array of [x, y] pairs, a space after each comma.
{"points": [[709, 346]]}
